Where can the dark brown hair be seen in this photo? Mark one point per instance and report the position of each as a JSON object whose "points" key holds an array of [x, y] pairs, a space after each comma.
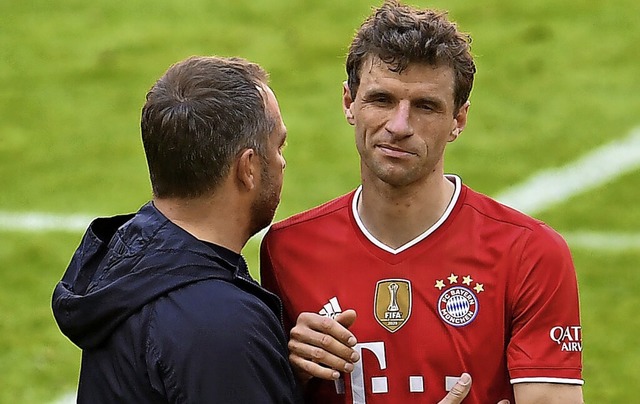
{"points": [[197, 118], [400, 35]]}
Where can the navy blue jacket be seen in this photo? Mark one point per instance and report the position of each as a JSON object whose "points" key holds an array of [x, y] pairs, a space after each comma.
{"points": [[162, 317]]}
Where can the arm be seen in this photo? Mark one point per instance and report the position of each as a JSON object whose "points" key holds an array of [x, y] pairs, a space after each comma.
{"points": [[545, 350], [547, 393]]}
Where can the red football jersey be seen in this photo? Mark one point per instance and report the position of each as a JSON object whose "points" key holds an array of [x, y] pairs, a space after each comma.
{"points": [[486, 290]]}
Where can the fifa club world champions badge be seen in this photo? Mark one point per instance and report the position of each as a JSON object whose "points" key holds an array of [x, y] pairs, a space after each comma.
{"points": [[393, 303]]}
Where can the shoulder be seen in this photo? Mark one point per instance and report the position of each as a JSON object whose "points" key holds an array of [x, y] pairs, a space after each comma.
{"points": [[504, 217], [329, 208], [530, 242], [323, 224], [540, 254], [213, 312]]}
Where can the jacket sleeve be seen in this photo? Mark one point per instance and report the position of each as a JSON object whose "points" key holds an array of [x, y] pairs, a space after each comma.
{"points": [[213, 342]]}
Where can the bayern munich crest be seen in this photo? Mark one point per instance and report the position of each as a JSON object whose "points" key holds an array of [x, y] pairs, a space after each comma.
{"points": [[458, 306], [458, 302]]}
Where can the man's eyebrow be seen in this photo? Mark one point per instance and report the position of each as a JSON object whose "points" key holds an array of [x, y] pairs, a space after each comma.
{"points": [[418, 100], [427, 100], [376, 91]]}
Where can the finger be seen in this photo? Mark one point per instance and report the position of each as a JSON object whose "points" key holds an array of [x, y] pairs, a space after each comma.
{"points": [[329, 326], [322, 349], [306, 369], [346, 318], [312, 325], [459, 390], [504, 402]]}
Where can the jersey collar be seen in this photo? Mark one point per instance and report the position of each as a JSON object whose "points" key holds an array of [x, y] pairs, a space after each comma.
{"points": [[354, 207]]}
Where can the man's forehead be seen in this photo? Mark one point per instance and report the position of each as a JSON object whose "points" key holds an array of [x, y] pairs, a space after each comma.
{"points": [[417, 81], [374, 63]]}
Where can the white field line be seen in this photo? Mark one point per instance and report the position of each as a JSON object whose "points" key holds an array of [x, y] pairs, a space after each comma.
{"points": [[69, 398], [552, 186], [603, 241], [534, 195], [42, 222]]}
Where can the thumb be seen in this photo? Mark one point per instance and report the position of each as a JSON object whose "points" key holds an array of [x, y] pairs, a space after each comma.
{"points": [[346, 318], [459, 391]]}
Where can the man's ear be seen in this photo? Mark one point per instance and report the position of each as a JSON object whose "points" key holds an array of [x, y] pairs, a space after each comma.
{"points": [[347, 103], [247, 169], [459, 121]]}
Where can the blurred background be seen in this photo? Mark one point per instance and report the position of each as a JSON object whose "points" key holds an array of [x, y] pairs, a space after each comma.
{"points": [[557, 93]]}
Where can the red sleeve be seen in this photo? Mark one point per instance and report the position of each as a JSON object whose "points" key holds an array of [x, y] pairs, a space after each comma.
{"points": [[546, 335]]}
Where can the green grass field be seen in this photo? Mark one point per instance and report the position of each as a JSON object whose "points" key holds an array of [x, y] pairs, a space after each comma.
{"points": [[555, 81]]}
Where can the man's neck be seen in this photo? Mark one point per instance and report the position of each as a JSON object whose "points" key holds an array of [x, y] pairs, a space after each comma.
{"points": [[395, 216], [207, 219]]}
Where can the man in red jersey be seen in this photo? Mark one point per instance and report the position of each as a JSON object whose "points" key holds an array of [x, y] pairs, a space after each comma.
{"points": [[444, 280]]}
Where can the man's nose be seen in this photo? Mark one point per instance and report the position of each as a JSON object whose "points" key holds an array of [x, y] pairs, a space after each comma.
{"points": [[399, 123]]}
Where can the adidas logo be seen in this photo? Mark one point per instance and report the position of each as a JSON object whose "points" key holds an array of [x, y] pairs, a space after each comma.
{"points": [[331, 309]]}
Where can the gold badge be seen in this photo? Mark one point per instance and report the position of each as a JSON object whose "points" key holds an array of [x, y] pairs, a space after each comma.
{"points": [[393, 303]]}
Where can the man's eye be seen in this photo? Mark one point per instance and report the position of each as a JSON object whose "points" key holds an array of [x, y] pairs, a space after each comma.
{"points": [[425, 107], [379, 100]]}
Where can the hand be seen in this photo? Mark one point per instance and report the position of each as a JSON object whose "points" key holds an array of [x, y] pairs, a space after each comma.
{"points": [[322, 347], [460, 391]]}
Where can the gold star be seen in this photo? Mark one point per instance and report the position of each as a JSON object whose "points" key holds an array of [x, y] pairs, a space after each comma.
{"points": [[453, 279], [467, 280], [479, 287], [439, 284]]}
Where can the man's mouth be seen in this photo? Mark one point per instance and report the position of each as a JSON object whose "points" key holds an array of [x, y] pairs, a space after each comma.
{"points": [[394, 151]]}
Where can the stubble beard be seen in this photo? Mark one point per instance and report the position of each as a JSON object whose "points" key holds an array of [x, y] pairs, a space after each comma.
{"points": [[263, 209]]}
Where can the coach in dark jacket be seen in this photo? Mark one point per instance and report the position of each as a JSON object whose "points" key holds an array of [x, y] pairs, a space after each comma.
{"points": [[161, 302]]}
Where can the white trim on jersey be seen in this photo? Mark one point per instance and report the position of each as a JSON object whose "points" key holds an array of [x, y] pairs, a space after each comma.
{"points": [[547, 380], [354, 207]]}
